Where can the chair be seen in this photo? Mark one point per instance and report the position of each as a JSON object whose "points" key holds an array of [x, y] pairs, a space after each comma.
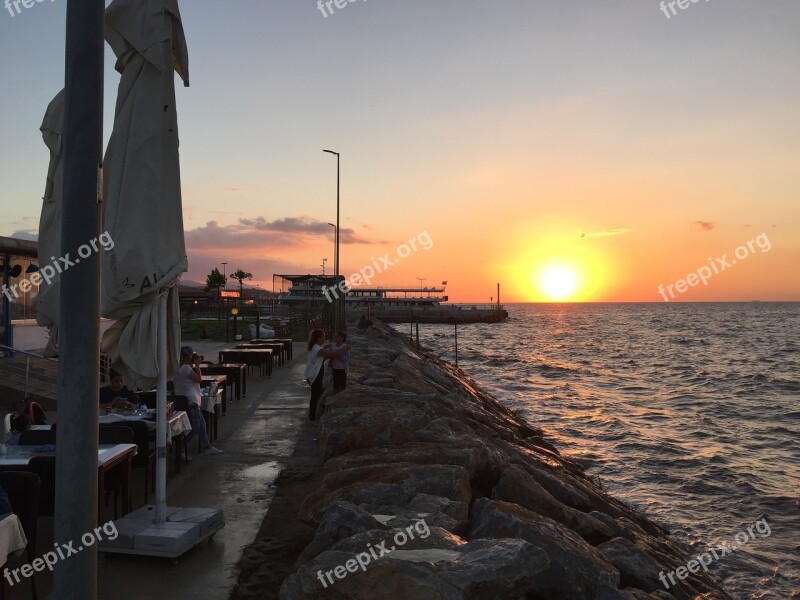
{"points": [[145, 456], [149, 398], [37, 437], [115, 433], [182, 403], [45, 468], [23, 493]]}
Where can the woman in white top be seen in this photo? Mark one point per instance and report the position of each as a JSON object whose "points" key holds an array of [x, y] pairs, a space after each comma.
{"points": [[187, 383], [315, 370]]}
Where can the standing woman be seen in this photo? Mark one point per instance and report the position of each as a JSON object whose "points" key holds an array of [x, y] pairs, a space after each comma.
{"points": [[317, 353]]}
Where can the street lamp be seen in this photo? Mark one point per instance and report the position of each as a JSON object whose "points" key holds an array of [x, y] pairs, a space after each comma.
{"points": [[421, 279], [234, 312], [336, 253], [336, 283]]}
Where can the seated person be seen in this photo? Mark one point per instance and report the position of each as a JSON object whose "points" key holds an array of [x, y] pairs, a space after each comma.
{"points": [[117, 393], [19, 423]]}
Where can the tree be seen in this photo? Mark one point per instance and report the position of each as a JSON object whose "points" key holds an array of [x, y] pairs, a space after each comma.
{"points": [[215, 281], [240, 275]]}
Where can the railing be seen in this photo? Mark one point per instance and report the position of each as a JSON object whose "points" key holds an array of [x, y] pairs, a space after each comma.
{"points": [[41, 381], [444, 309]]}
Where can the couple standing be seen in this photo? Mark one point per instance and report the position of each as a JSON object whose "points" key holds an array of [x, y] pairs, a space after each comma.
{"points": [[338, 354]]}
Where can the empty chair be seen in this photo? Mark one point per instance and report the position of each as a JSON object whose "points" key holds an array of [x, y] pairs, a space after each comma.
{"points": [[37, 437], [149, 398], [116, 433], [23, 493], [145, 456], [45, 468]]}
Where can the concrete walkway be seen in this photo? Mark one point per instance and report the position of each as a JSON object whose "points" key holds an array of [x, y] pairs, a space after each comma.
{"points": [[258, 437]]}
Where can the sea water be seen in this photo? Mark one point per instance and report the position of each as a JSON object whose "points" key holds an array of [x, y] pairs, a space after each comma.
{"points": [[688, 412]]}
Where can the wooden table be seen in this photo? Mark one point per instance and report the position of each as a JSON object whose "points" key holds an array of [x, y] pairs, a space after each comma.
{"points": [[109, 457], [236, 373], [221, 381], [278, 347], [288, 344], [255, 357]]}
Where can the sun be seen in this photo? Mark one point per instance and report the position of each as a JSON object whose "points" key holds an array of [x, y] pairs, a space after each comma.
{"points": [[558, 283]]}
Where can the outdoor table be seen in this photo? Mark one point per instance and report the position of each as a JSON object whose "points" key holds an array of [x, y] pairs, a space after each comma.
{"points": [[109, 457], [288, 344], [255, 357], [178, 423], [12, 541], [210, 406], [221, 381], [236, 373], [278, 347]]}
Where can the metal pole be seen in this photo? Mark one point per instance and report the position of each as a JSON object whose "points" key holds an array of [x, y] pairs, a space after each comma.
{"points": [[339, 301], [78, 373], [456, 327], [417, 333], [161, 414]]}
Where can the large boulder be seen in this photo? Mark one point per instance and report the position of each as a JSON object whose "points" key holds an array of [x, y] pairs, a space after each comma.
{"points": [[480, 570], [340, 521], [576, 569], [386, 485], [518, 487]]}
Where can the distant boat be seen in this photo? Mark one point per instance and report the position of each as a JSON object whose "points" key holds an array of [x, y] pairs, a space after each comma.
{"points": [[391, 304]]}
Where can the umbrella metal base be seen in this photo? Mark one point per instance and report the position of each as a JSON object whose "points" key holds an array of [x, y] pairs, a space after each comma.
{"points": [[184, 529]]}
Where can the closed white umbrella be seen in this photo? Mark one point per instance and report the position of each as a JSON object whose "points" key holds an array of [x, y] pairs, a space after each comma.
{"points": [[143, 212], [47, 300]]}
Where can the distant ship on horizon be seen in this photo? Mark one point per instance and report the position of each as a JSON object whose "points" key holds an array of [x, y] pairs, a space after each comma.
{"points": [[394, 304]]}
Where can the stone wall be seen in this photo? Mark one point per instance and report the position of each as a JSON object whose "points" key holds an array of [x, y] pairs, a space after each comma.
{"points": [[433, 489]]}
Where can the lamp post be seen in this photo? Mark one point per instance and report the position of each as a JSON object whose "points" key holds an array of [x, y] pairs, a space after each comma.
{"points": [[421, 279], [336, 283], [234, 312], [336, 249]]}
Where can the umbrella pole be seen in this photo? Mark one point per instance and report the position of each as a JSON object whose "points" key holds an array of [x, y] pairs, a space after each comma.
{"points": [[161, 414]]}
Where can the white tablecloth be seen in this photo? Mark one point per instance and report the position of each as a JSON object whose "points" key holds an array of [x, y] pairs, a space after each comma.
{"points": [[207, 403], [178, 422], [12, 538]]}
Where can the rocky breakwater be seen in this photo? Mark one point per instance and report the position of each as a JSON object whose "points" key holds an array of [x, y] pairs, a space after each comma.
{"points": [[432, 489]]}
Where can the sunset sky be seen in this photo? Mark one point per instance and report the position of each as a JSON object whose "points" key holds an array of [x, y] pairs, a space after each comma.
{"points": [[587, 150]]}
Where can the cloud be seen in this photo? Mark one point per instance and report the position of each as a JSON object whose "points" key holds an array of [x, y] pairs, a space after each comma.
{"points": [[26, 235], [607, 233], [705, 225], [259, 233]]}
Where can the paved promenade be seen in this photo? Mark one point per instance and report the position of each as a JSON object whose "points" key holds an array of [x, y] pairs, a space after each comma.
{"points": [[258, 436]]}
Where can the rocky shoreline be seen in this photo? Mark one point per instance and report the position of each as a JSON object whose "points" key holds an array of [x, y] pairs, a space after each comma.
{"points": [[432, 489]]}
